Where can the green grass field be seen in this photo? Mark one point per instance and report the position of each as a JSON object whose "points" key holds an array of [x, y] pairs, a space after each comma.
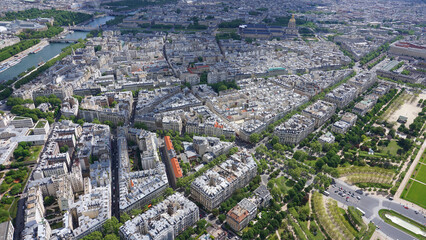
{"points": [[421, 173], [282, 184], [34, 151], [392, 148], [416, 194]]}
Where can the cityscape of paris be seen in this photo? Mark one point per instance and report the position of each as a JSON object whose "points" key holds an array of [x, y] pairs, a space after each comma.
{"points": [[212, 119]]}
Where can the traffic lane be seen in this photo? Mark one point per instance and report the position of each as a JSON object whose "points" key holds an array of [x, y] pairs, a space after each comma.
{"points": [[419, 217], [371, 205], [390, 231], [19, 220], [355, 203], [367, 204], [370, 202]]}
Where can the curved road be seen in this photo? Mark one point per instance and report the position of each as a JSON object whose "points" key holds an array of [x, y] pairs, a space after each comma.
{"points": [[371, 206]]}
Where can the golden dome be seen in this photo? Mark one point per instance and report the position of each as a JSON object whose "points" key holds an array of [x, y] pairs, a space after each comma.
{"points": [[292, 18]]}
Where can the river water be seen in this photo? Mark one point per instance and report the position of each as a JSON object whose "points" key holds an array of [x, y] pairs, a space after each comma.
{"points": [[48, 52]]}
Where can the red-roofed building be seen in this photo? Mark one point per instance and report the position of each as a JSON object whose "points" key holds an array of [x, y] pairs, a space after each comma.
{"points": [[169, 144], [408, 49], [171, 155], [197, 69], [239, 216], [177, 171]]}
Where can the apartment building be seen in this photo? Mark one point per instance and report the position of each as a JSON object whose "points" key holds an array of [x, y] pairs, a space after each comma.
{"points": [[363, 81], [342, 95], [42, 127], [239, 216], [320, 111], [6, 230], [362, 107], [346, 122], [217, 184], [138, 188], [295, 129], [22, 122], [163, 221]]}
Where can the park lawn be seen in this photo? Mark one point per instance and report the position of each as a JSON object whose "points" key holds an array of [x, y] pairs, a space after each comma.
{"points": [[304, 226], [421, 173], [311, 162], [34, 151], [227, 30], [392, 148], [14, 208], [416, 194], [57, 225], [283, 184], [319, 235], [423, 159]]}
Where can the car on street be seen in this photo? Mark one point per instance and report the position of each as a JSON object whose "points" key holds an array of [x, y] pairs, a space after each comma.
{"points": [[405, 207], [358, 197]]}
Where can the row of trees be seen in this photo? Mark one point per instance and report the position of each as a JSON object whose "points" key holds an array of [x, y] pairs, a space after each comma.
{"points": [[22, 151], [109, 231], [62, 18], [49, 33], [10, 51], [232, 24], [225, 85], [52, 99], [13, 101], [65, 52], [35, 114], [372, 55], [239, 194], [186, 181], [125, 5]]}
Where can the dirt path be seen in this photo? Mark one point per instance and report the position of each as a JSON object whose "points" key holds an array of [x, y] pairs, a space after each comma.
{"points": [[278, 234], [310, 209], [415, 180]]}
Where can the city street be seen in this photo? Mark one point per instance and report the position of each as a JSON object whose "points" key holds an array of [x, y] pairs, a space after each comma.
{"points": [[371, 206], [19, 220], [114, 181]]}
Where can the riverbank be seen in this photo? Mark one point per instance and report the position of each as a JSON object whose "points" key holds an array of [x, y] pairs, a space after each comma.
{"points": [[49, 52], [43, 43]]}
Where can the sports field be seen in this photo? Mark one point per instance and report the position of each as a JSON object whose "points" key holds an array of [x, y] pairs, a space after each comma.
{"points": [[421, 173], [416, 194]]}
